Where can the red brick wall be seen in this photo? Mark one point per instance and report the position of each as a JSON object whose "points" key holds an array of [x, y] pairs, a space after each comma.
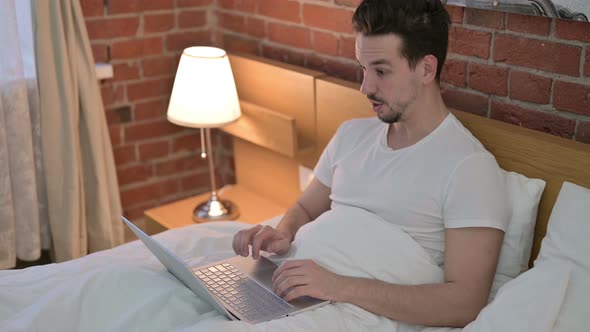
{"points": [[529, 71], [157, 162]]}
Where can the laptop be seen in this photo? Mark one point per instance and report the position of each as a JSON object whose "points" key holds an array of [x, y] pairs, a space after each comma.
{"points": [[239, 287]]}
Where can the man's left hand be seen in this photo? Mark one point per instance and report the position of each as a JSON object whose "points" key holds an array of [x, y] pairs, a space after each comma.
{"points": [[297, 278]]}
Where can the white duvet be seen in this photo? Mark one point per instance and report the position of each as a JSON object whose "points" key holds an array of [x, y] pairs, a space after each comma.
{"points": [[127, 289]]}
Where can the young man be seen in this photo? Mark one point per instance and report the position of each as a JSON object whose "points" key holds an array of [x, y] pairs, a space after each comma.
{"points": [[415, 166]]}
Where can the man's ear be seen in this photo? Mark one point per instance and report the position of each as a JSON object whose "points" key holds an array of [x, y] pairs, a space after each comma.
{"points": [[429, 65]]}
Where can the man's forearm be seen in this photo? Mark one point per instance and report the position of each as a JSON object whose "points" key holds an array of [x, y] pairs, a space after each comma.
{"points": [[447, 304], [293, 219]]}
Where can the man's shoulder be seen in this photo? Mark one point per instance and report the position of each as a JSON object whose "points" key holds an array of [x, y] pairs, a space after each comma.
{"points": [[462, 141]]}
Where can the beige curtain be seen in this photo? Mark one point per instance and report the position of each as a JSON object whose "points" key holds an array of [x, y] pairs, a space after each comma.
{"points": [[82, 189], [24, 226]]}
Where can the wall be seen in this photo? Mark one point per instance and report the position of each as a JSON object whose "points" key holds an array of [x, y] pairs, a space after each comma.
{"points": [[529, 71], [157, 162]]}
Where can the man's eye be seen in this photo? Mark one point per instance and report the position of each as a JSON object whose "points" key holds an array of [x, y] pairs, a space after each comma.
{"points": [[379, 72]]}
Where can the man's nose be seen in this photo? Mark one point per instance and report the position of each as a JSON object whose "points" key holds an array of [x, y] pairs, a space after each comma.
{"points": [[367, 86]]}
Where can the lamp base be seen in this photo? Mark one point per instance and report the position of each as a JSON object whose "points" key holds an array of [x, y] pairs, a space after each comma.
{"points": [[215, 209]]}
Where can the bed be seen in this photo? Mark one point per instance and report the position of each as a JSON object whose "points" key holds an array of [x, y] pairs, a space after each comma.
{"points": [[289, 115]]}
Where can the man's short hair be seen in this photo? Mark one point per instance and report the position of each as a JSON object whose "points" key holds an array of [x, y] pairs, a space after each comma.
{"points": [[422, 25]]}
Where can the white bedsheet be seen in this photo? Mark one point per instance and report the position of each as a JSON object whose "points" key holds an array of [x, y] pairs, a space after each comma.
{"points": [[127, 289]]}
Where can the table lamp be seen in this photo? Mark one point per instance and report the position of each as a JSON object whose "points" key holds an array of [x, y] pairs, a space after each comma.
{"points": [[204, 96]]}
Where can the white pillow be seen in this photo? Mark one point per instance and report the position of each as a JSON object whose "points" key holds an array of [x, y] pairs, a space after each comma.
{"points": [[524, 195], [567, 239], [531, 302]]}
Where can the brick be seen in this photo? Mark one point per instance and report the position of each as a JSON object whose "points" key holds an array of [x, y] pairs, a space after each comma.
{"points": [[199, 181], [100, 52], [231, 22], [537, 120], [470, 42], [339, 18], [283, 55], [163, 66], [192, 19], [193, 3], [111, 117], [573, 30], [157, 129], [92, 7], [115, 134], [529, 24], [239, 5], [488, 79], [149, 88], [125, 72], [572, 97], [530, 87], [587, 64], [137, 6], [285, 10], [255, 27], [455, 72], [180, 165], [155, 109], [289, 35], [325, 43], [538, 54], [182, 40], [154, 150], [190, 142], [124, 155], [107, 28], [124, 6], [237, 44], [583, 132], [112, 94], [347, 71], [456, 13], [123, 113], [348, 47], [485, 18], [136, 48], [134, 174], [154, 23], [465, 101], [149, 192], [348, 3]]}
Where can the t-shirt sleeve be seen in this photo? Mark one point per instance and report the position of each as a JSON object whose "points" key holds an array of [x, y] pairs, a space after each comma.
{"points": [[476, 195], [324, 169]]}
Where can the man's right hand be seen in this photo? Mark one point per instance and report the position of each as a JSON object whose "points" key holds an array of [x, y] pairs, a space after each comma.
{"points": [[261, 238]]}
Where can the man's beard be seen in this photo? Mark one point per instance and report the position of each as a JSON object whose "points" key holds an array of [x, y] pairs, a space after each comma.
{"points": [[390, 117]]}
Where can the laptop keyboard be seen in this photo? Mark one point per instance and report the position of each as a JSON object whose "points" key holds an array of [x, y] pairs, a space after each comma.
{"points": [[243, 294]]}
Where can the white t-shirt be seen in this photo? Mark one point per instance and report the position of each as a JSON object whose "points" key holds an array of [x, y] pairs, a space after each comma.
{"points": [[446, 180]]}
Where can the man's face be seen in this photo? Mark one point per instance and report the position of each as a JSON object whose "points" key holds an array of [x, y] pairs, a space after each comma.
{"points": [[388, 81]]}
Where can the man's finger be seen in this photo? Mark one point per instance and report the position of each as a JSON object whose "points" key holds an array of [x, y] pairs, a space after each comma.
{"points": [[298, 292], [289, 283], [259, 238], [294, 272], [286, 266], [246, 239]]}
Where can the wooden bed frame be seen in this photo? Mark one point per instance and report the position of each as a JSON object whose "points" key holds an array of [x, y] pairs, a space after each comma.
{"points": [[290, 114]]}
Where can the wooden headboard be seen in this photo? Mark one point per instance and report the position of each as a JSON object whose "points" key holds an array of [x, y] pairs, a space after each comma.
{"points": [[322, 103]]}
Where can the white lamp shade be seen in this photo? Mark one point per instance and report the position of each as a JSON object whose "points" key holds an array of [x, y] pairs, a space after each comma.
{"points": [[204, 93]]}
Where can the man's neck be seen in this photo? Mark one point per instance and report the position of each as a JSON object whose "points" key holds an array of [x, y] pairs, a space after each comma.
{"points": [[422, 118]]}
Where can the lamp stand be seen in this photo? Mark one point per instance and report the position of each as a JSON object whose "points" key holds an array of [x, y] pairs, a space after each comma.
{"points": [[214, 208]]}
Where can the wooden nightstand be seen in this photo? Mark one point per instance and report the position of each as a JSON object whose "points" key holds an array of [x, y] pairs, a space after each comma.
{"points": [[253, 209]]}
